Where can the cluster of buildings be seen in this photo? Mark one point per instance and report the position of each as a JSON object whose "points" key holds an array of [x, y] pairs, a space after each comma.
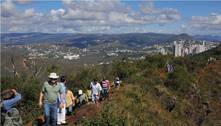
{"points": [[50, 51], [189, 47], [162, 51], [178, 48], [181, 47], [72, 56]]}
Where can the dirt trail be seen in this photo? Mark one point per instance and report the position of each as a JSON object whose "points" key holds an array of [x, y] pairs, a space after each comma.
{"points": [[88, 111]]}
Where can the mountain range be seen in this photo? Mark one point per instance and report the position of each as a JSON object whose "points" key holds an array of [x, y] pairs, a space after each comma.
{"points": [[85, 40]]}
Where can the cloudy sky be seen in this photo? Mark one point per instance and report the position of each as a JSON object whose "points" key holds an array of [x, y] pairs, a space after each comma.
{"points": [[111, 16]]}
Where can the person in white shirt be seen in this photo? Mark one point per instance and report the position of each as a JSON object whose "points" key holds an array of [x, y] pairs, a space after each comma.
{"points": [[61, 114], [96, 90]]}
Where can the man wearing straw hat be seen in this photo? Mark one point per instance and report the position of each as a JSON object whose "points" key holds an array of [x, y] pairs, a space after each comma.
{"points": [[50, 91]]}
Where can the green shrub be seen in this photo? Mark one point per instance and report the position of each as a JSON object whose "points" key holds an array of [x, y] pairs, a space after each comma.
{"points": [[179, 80], [29, 89], [123, 69], [158, 61], [53, 68], [82, 79]]}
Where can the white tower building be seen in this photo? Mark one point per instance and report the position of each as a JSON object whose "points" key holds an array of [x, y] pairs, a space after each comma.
{"points": [[178, 48]]}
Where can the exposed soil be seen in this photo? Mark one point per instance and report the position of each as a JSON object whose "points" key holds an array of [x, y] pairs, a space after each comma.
{"points": [[86, 111]]}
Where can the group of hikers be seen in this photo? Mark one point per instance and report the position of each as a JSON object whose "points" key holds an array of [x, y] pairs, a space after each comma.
{"points": [[57, 100]]}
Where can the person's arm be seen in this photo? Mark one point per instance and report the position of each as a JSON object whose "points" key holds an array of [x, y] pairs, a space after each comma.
{"points": [[63, 94], [41, 96], [41, 99], [8, 104], [100, 89], [63, 98]]}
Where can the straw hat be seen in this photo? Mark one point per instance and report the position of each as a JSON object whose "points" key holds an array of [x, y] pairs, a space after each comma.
{"points": [[53, 76], [80, 92]]}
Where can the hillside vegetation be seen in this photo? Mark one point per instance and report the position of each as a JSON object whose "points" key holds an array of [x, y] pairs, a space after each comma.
{"points": [[146, 91]]}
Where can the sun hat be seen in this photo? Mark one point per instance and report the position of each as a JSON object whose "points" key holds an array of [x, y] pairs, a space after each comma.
{"points": [[80, 92], [53, 76]]}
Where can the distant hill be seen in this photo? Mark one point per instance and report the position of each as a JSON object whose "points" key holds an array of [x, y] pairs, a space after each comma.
{"points": [[181, 36], [208, 37], [85, 40]]}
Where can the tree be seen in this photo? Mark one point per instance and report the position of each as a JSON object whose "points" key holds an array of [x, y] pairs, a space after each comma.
{"points": [[15, 73]]}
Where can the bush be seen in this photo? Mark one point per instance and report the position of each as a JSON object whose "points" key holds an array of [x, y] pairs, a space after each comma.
{"points": [[82, 79], [158, 61], [179, 80], [123, 69], [29, 89]]}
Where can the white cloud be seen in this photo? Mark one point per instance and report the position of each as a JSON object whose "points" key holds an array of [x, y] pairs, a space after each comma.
{"points": [[7, 8], [67, 2], [56, 14], [8, 5], [211, 22], [29, 12], [77, 14], [183, 27], [23, 1], [85, 16], [159, 15], [117, 17]]}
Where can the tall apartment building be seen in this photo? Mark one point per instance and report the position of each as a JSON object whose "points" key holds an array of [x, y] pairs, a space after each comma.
{"points": [[182, 49], [178, 48]]}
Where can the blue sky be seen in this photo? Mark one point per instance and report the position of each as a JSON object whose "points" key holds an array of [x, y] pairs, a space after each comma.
{"points": [[111, 16]]}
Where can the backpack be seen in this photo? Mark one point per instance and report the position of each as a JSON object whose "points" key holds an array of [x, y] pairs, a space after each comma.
{"points": [[11, 118]]}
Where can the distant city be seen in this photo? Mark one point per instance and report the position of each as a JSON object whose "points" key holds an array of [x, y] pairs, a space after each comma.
{"points": [[184, 47], [57, 51]]}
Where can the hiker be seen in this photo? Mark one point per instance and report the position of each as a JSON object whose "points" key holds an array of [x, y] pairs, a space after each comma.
{"points": [[62, 99], [82, 98], [96, 90], [50, 93], [117, 82], [10, 116], [106, 88], [169, 68], [70, 102], [171, 104], [211, 60], [88, 93]]}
